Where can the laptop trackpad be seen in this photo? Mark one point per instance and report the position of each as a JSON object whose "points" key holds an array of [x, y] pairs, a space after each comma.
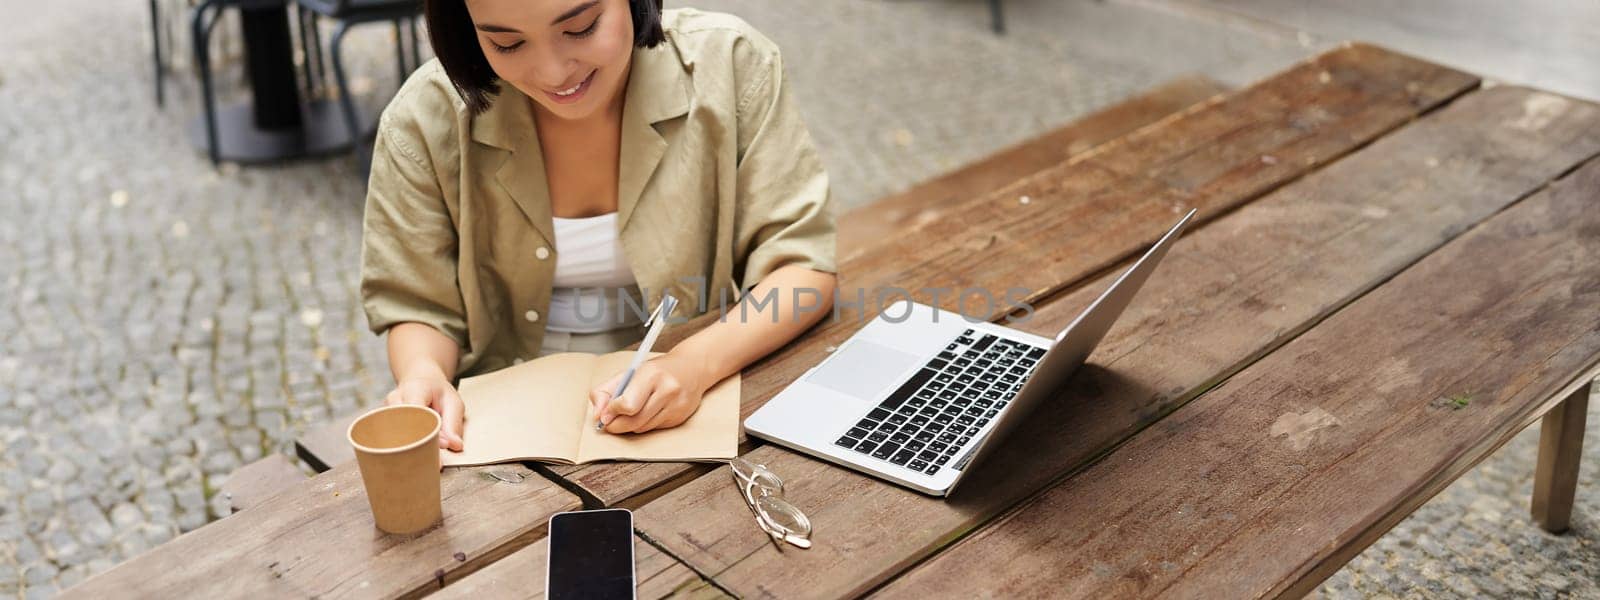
{"points": [[862, 369]]}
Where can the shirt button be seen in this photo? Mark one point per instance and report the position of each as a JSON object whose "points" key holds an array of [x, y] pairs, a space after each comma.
{"points": [[531, 316], [542, 253]]}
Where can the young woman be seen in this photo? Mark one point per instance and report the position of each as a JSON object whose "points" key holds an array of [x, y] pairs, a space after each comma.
{"points": [[563, 162]]}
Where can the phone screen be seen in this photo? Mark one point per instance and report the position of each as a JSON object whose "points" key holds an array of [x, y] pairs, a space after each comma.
{"points": [[591, 555]]}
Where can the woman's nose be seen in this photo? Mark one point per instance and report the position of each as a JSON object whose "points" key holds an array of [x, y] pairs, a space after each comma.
{"points": [[554, 73]]}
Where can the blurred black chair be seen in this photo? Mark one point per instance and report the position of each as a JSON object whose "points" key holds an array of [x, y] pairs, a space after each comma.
{"points": [[996, 20], [205, 18], [349, 13]]}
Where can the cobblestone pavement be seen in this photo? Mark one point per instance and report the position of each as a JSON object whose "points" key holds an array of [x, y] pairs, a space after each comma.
{"points": [[164, 322]]}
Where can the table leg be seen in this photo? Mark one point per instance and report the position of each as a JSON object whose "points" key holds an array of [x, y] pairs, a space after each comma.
{"points": [[1555, 479], [269, 56]]}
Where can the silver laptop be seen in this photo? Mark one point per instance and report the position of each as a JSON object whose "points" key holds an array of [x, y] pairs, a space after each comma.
{"points": [[919, 396]]}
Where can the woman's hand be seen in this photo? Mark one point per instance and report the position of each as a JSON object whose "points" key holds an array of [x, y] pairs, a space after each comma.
{"points": [[664, 392], [434, 392]]}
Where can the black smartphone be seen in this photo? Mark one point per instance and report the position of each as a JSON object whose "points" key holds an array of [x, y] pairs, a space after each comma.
{"points": [[591, 555]]}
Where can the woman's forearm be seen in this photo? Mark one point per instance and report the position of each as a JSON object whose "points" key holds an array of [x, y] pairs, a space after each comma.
{"points": [[417, 350], [424, 364], [751, 330]]}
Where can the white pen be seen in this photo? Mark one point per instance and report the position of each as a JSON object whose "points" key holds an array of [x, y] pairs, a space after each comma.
{"points": [[656, 321]]}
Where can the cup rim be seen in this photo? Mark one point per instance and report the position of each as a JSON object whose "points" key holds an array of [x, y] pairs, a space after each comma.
{"points": [[349, 433]]}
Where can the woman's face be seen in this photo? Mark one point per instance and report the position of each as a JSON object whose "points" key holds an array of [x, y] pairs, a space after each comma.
{"points": [[570, 56]]}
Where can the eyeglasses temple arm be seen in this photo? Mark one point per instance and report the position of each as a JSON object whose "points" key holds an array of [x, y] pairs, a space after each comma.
{"points": [[761, 521]]}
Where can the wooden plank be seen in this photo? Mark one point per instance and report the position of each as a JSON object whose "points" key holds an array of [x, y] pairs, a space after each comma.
{"points": [[1227, 294], [1213, 159], [251, 484], [318, 540], [1555, 478], [895, 214], [1271, 482], [522, 575], [1100, 208]]}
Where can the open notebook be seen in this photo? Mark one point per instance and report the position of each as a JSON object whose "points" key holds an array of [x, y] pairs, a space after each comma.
{"points": [[539, 410]]}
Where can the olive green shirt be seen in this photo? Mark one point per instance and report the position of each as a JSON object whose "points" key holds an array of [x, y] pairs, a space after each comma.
{"points": [[719, 185]]}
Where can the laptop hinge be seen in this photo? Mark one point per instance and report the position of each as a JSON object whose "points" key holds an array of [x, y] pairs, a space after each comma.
{"points": [[961, 464]]}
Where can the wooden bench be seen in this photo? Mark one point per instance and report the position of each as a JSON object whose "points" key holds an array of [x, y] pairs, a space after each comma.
{"points": [[1392, 273], [325, 446]]}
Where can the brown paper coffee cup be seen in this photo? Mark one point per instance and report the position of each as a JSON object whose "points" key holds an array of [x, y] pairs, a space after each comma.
{"points": [[397, 450]]}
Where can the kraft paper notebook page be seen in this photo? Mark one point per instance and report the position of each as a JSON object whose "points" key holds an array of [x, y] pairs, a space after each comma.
{"points": [[539, 410]]}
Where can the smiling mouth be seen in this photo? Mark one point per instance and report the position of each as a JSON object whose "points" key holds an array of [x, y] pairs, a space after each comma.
{"points": [[574, 89]]}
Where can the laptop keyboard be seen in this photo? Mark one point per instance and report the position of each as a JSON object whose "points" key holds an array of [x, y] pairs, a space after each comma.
{"points": [[936, 412]]}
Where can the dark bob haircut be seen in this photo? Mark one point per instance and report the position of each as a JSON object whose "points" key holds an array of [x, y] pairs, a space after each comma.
{"points": [[455, 42]]}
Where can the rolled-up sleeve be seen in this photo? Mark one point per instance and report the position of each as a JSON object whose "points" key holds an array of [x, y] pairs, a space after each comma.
{"points": [[409, 244], [784, 214]]}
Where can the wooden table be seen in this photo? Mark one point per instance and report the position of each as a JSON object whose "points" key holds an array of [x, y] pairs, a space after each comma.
{"points": [[1394, 270]]}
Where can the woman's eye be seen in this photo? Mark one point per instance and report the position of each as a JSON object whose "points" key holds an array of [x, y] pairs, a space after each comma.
{"points": [[510, 48], [587, 31]]}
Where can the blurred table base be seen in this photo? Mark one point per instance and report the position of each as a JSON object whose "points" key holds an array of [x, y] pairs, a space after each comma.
{"points": [[322, 131]]}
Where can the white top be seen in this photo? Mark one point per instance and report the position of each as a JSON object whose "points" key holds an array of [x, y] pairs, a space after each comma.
{"points": [[591, 275]]}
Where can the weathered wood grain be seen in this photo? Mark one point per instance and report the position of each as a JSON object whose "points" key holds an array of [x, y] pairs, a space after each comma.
{"points": [[1228, 294], [522, 575], [1213, 159], [1271, 482], [1099, 208], [317, 540], [251, 484], [894, 214]]}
